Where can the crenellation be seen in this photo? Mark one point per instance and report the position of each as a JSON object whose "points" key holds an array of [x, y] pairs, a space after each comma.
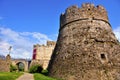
{"points": [[74, 13], [101, 8], [51, 43], [87, 5]]}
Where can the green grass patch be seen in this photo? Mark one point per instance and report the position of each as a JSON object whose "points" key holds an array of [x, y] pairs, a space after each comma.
{"points": [[9, 75], [38, 76]]}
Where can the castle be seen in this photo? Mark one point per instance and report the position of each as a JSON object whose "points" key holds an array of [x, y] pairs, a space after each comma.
{"points": [[86, 48], [42, 54]]}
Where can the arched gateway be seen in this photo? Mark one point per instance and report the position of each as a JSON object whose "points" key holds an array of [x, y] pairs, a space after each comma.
{"points": [[21, 64]]}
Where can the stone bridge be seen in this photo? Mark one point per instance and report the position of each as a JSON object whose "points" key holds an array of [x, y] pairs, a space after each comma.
{"points": [[20, 63], [17, 62]]}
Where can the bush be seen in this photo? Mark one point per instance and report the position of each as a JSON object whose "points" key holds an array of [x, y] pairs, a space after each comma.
{"points": [[45, 72], [13, 68], [35, 69], [21, 69]]}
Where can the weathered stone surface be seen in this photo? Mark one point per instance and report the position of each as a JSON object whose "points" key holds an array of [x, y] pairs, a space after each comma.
{"points": [[86, 48], [5, 64], [42, 54]]}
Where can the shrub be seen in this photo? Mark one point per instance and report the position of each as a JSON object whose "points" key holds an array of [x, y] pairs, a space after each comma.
{"points": [[21, 69], [13, 68], [45, 72], [35, 69]]}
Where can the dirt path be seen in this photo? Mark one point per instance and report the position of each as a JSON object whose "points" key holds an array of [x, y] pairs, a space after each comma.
{"points": [[26, 76]]}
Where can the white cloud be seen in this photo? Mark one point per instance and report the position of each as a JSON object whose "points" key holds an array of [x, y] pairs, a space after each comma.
{"points": [[41, 38], [117, 33], [54, 36], [21, 42]]}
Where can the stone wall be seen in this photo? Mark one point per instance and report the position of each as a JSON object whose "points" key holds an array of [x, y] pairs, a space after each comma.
{"points": [[5, 64], [86, 48], [16, 62], [87, 10], [43, 54]]}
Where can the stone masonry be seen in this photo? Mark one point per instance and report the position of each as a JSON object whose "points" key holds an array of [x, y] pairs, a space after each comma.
{"points": [[5, 64], [86, 48], [42, 54]]}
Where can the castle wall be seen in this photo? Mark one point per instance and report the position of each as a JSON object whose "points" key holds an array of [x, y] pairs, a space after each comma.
{"points": [[5, 64], [86, 48], [43, 54]]}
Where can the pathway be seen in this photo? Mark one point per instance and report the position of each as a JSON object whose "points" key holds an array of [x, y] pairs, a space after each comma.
{"points": [[26, 76]]}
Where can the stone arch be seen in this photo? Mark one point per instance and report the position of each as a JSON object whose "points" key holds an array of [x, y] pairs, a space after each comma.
{"points": [[17, 61], [20, 66]]}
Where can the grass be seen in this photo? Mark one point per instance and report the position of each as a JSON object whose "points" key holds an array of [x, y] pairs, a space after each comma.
{"points": [[9, 75], [38, 76]]}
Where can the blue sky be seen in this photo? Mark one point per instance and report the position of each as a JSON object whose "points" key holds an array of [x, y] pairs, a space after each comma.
{"points": [[27, 22]]}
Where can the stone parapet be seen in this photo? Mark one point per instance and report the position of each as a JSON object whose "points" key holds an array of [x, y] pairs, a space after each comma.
{"points": [[87, 11]]}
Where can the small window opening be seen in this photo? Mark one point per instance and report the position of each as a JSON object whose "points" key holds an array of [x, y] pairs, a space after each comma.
{"points": [[89, 9], [103, 56]]}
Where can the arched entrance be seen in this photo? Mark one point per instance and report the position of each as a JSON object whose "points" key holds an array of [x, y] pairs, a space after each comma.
{"points": [[20, 66]]}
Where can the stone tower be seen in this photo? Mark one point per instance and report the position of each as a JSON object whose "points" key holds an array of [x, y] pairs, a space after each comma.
{"points": [[86, 48], [5, 64], [42, 54]]}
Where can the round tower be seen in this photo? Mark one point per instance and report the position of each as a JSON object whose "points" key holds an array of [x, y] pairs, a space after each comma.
{"points": [[86, 48]]}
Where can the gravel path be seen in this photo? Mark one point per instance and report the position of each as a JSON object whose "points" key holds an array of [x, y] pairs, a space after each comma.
{"points": [[26, 76]]}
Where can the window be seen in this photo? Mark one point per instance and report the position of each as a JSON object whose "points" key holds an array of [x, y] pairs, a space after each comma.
{"points": [[89, 9], [103, 56]]}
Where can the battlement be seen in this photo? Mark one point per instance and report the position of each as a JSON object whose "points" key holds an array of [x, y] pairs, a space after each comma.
{"points": [[87, 11], [49, 43]]}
